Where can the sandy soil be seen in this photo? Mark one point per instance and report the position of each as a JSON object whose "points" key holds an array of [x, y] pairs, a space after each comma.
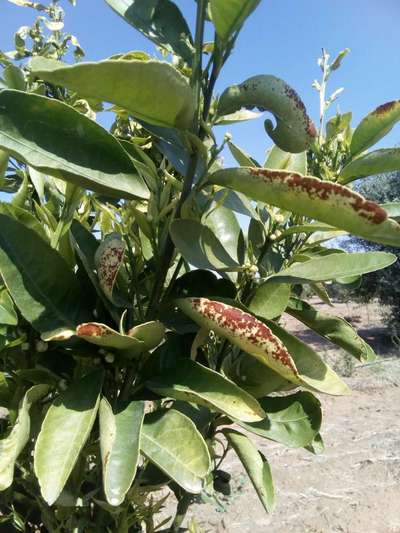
{"points": [[354, 487]]}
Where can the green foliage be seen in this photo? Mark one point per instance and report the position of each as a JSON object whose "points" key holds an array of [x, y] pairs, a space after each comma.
{"points": [[138, 320]]}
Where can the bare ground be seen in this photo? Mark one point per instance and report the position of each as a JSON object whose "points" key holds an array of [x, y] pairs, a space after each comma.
{"points": [[354, 487]]}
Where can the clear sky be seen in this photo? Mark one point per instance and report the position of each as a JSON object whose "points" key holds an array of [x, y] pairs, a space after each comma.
{"points": [[282, 37]]}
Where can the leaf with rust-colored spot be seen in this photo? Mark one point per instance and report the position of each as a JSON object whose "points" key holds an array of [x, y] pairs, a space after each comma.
{"points": [[375, 126], [108, 259], [139, 339], [325, 201], [243, 330]]}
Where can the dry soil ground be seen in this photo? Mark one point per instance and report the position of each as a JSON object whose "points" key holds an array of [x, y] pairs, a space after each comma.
{"points": [[354, 487]]}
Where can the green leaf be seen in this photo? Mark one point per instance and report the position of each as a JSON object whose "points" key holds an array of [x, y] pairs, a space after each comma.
{"points": [[171, 441], [293, 420], [334, 266], [4, 157], [152, 91], [243, 159], [294, 131], [270, 299], [279, 159], [195, 383], [313, 372], [25, 217], [317, 446], [119, 444], [377, 162], [8, 316], [256, 466], [321, 200], [228, 17], [63, 434], [199, 246], [48, 297], [160, 21], [333, 328], [53, 138], [239, 116], [253, 376], [337, 124], [223, 222], [12, 446], [14, 78], [375, 126]]}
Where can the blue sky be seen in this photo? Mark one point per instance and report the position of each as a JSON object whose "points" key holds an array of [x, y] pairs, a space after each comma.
{"points": [[282, 37]]}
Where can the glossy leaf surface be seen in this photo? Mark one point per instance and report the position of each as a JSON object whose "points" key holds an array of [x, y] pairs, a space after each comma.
{"points": [[377, 162], [256, 466], [63, 434], [228, 17], [52, 137], [119, 444], [171, 441], [193, 382]]}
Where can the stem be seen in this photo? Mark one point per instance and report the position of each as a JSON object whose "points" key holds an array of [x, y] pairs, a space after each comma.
{"points": [[195, 82], [181, 510]]}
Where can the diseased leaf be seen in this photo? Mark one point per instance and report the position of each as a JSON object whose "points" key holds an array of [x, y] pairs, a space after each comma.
{"points": [[228, 17], [53, 138], [322, 200], [12, 446], [171, 441], [256, 466], [377, 162], [293, 420], [152, 91], [195, 383], [294, 131], [48, 298], [375, 126], [243, 330], [63, 434], [160, 21], [108, 259], [119, 444], [333, 328], [334, 266]]}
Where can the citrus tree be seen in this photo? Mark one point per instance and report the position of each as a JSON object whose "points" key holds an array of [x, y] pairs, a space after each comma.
{"points": [[140, 324]]}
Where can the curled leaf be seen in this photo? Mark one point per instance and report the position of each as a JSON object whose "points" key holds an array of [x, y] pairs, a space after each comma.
{"points": [[294, 131]]}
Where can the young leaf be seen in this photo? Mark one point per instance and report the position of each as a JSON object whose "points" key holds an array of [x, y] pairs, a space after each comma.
{"points": [[292, 420], [152, 91], [376, 162], [49, 297], [279, 159], [119, 444], [63, 434], [228, 17], [195, 383], [46, 133], [243, 159], [270, 299], [375, 126], [334, 266], [294, 131], [322, 200], [333, 328], [11, 446], [160, 21], [256, 466], [171, 441]]}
